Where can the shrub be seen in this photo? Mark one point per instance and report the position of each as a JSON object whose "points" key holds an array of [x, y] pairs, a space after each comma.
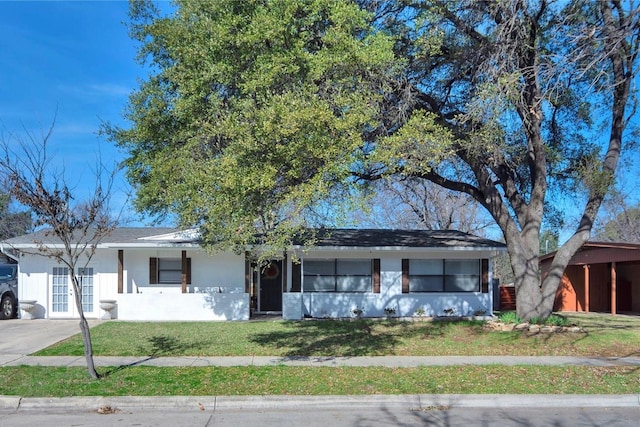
{"points": [[509, 317], [535, 321], [557, 320]]}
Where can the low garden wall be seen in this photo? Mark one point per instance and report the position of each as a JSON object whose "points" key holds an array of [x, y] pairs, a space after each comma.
{"points": [[171, 306]]}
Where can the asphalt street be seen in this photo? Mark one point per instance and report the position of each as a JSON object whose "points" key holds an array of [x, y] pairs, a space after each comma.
{"points": [[353, 415]]}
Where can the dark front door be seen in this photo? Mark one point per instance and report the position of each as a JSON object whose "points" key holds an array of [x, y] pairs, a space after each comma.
{"points": [[271, 287]]}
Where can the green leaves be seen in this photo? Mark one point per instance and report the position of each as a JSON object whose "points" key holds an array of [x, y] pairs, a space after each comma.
{"points": [[254, 112], [418, 146]]}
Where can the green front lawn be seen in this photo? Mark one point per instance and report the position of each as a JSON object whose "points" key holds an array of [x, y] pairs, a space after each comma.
{"points": [[602, 335], [34, 381]]}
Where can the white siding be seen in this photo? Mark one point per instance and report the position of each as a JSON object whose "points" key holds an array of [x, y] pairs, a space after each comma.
{"points": [[217, 281], [341, 305]]}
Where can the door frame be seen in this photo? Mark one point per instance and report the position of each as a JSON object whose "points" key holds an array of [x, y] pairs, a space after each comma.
{"points": [[279, 263], [72, 310]]}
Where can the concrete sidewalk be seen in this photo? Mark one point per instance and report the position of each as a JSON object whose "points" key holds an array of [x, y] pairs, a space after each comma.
{"points": [[317, 361]]}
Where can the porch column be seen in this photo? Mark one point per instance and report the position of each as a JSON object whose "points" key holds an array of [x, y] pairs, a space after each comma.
{"points": [[586, 288], [184, 272], [120, 271], [613, 288], [247, 273], [283, 274]]}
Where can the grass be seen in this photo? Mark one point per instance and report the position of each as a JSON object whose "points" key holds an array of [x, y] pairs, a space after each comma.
{"points": [[37, 381], [601, 335]]}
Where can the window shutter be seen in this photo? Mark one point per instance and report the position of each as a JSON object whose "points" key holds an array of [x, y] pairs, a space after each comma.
{"points": [[296, 272], [153, 271], [485, 276], [376, 276], [405, 276], [188, 271]]}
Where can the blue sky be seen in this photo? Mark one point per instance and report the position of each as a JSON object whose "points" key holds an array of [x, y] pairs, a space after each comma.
{"points": [[72, 61]]}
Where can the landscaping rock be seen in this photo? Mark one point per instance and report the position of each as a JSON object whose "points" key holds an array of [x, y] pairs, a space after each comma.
{"points": [[534, 329], [526, 327]]}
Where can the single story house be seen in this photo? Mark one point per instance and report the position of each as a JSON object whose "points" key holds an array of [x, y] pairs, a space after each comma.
{"points": [[600, 277], [165, 274]]}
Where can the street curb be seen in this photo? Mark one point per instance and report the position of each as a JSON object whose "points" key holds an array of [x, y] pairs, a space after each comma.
{"points": [[9, 403], [410, 402]]}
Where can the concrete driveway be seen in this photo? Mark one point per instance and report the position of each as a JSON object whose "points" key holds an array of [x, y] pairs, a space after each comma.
{"points": [[21, 337]]}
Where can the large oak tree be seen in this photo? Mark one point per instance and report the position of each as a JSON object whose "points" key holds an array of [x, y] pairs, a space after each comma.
{"points": [[257, 112]]}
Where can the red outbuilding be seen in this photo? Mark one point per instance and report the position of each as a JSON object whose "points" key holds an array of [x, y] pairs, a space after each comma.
{"points": [[601, 277]]}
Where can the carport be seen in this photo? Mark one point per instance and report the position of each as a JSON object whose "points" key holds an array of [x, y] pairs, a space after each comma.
{"points": [[601, 277]]}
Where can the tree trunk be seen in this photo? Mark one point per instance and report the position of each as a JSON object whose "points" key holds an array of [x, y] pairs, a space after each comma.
{"points": [[88, 347], [534, 298], [532, 302], [84, 328]]}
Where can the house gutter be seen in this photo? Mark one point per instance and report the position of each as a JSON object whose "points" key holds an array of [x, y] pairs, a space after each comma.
{"points": [[493, 251], [16, 258], [120, 245]]}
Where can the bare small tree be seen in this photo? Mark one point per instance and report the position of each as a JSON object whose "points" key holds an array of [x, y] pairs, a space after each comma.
{"points": [[420, 204], [76, 226], [620, 221]]}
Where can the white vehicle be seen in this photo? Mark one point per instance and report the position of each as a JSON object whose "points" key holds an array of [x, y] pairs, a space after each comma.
{"points": [[8, 291]]}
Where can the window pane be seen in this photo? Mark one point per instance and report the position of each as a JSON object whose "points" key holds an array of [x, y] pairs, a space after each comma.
{"points": [[425, 266], [354, 284], [60, 290], [170, 264], [170, 276], [425, 283], [462, 283], [86, 274], [319, 283], [462, 266], [353, 267], [6, 272], [320, 267]]}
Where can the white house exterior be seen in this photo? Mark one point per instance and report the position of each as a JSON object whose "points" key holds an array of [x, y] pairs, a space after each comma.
{"points": [[164, 274]]}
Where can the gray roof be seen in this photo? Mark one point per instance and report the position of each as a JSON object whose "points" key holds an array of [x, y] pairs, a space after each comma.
{"points": [[119, 235], [401, 238], [354, 238]]}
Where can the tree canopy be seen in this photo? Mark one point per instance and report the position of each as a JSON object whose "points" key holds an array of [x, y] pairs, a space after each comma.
{"points": [[253, 112], [256, 112]]}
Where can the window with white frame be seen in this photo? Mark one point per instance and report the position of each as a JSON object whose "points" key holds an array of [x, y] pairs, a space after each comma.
{"points": [[60, 290], [338, 275], [444, 275], [85, 275]]}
